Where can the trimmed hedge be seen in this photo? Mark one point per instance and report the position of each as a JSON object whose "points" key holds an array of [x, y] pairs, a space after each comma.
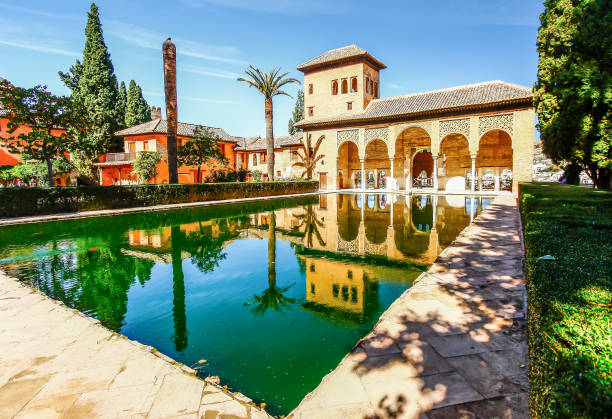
{"points": [[19, 202], [569, 299]]}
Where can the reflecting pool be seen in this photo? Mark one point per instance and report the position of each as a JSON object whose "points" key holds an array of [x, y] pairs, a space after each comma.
{"points": [[271, 293]]}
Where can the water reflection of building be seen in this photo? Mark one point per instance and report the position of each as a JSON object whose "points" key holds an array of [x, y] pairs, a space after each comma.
{"points": [[398, 227]]}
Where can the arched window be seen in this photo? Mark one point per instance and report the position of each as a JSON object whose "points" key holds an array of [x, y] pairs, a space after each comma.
{"points": [[376, 90], [367, 84], [334, 87], [354, 85], [372, 86], [344, 86]]}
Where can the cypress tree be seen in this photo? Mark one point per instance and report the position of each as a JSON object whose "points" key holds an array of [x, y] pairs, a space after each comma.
{"points": [[123, 102], [97, 89], [137, 109]]}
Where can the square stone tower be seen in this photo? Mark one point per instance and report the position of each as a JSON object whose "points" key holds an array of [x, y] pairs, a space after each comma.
{"points": [[341, 81]]}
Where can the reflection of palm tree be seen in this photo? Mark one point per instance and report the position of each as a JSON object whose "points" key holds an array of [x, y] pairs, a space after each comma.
{"points": [[273, 297], [178, 288], [311, 225]]}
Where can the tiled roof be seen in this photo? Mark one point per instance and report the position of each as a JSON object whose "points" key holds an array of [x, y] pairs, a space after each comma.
{"points": [[480, 94], [340, 54], [258, 143], [158, 126]]}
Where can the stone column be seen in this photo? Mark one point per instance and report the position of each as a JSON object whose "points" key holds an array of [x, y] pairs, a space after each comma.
{"points": [[363, 180], [391, 212], [435, 173], [363, 204], [473, 173], [169, 54], [434, 204], [472, 208], [409, 177], [392, 175], [496, 183]]}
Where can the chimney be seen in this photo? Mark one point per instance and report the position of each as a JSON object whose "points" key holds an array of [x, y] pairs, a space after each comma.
{"points": [[155, 113]]}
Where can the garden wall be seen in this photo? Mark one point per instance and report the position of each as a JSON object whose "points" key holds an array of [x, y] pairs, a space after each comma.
{"points": [[20, 202]]}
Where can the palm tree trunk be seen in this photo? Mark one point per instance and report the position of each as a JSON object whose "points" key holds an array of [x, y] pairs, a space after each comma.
{"points": [[169, 52], [270, 137], [272, 250]]}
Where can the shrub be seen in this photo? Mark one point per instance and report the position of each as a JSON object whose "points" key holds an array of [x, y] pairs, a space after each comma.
{"points": [[17, 202], [145, 165], [569, 299], [256, 175]]}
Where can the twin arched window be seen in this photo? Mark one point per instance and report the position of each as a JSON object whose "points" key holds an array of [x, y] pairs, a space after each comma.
{"points": [[344, 86]]}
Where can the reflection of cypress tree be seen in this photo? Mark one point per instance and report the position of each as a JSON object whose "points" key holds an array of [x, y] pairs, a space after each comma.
{"points": [[273, 297], [143, 269], [178, 288], [103, 278]]}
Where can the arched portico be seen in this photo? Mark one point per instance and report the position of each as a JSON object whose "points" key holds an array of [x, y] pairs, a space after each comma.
{"points": [[377, 165], [494, 161], [349, 166], [412, 156], [454, 162]]}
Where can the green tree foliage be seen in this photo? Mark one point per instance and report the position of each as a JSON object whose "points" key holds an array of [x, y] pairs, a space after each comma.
{"points": [[43, 113], [137, 109], [202, 149], [145, 165], [94, 85], [268, 84], [298, 113], [309, 156], [123, 98], [573, 93], [29, 170]]}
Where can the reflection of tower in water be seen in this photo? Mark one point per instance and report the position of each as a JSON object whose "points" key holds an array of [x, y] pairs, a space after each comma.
{"points": [[340, 288]]}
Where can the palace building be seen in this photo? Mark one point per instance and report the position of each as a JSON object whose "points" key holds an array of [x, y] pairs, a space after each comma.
{"points": [[478, 137]]}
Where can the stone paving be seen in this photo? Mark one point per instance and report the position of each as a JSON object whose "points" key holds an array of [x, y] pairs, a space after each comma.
{"points": [[453, 345], [56, 362]]}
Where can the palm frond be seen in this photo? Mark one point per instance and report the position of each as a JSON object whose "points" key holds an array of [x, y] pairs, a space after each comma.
{"points": [[318, 144]]}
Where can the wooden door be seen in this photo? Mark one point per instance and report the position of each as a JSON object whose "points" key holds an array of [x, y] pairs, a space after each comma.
{"points": [[322, 180]]}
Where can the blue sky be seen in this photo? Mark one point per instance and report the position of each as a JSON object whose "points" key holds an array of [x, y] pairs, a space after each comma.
{"points": [[425, 45]]}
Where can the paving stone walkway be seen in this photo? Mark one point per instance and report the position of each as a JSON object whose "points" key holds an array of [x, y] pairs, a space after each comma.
{"points": [[56, 362], [453, 345]]}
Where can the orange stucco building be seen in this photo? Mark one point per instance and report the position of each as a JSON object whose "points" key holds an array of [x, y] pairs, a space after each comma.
{"points": [[116, 168]]}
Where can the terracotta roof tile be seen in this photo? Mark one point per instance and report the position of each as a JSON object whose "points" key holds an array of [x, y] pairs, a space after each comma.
{"points": [[486, 93], [339, 54], [158, 126], [258, 143]]}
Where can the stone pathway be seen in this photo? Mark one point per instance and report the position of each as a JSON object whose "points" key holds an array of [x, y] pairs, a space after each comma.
{"points": [[453, 345], [56, 362]]}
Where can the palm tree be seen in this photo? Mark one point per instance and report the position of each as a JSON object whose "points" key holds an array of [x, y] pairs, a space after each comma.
{"points": [[310, 157], [273, 297], [311, 226], [269, 85]]}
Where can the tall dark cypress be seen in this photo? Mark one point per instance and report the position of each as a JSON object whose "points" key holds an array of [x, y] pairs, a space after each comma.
{"points": [[137, 109], [97, 88], [123, 103]]}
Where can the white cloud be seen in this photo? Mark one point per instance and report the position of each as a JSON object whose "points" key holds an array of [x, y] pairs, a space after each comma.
{"points": [[40, 48], [193, 98], [40, 12], [283, 7], [207, 71], [392, 85], [146, 38]]}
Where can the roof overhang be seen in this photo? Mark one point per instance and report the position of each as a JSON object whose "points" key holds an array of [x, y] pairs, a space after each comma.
{"points": [[443, 112], [355, 59]]}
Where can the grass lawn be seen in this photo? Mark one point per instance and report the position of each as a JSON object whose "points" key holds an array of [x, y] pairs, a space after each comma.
{"points": [[569, 299]]}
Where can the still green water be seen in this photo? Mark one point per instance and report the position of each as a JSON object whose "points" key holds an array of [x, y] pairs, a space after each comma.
{"points": [[271, 293]]}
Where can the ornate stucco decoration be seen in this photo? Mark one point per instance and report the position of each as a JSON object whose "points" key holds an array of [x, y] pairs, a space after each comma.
{"points": [[348, 247], [426, 126], [376, 134], [455, 126], [347, 135], [504, 122]]}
